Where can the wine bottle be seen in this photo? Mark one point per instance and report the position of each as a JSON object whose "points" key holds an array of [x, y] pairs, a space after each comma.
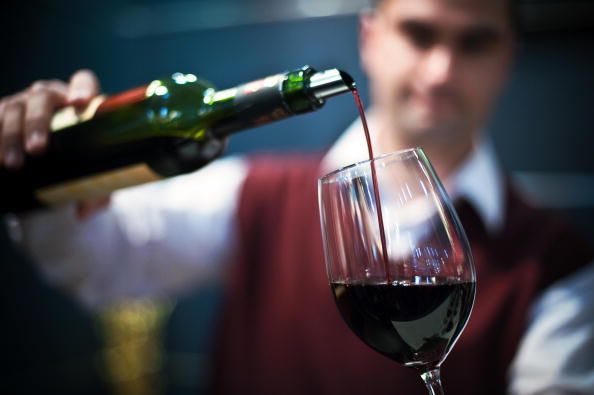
{"points": [[168, 127]]}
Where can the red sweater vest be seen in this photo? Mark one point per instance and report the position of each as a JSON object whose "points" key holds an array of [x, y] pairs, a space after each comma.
{"points": [[281, 332]]}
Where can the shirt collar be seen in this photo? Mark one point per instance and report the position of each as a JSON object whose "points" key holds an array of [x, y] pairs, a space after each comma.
{"points": [[479, 179]]}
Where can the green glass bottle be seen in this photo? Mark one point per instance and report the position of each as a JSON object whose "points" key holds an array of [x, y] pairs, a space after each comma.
{"points": [[168, 127]]}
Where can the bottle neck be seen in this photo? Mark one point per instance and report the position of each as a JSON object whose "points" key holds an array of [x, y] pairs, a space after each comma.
{"points": [[260, 102], [263, 101]]}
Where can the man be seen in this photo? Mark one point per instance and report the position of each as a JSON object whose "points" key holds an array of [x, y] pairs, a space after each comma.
{"points": [[435, 68]]}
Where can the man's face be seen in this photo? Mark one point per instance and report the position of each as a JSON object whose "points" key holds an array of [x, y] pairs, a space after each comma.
{"points": [[436, 66]]}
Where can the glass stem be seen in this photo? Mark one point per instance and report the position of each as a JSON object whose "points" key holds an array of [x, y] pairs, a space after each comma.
{"points": [[433, 382]]}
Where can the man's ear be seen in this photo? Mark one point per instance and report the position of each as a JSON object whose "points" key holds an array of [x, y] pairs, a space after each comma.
{"points": [[366, 26]]}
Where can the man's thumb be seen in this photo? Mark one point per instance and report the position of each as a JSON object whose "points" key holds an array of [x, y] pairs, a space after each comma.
{"points": [[83, 86]]}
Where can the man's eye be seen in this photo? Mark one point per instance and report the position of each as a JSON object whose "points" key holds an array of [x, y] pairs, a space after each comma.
{"points": [[477, 42], [421, 36]]}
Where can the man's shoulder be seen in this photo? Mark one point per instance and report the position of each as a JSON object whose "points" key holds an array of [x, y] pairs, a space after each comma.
{"points": [[524, 217], [283, 168], [284, 161], [532, 230], [278, 187]]}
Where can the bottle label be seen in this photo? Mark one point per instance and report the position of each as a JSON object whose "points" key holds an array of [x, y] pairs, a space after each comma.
{"points": [[123, 99], [96, 185], [255, 103], [70, 116], [264, 100]]}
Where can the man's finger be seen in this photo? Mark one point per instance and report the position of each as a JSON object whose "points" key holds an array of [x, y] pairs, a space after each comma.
{"points": [[39, 109], [11, 149], [57, 86], [83, 86]]}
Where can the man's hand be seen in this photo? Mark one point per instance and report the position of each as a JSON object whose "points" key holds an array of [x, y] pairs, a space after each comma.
{"points": [[25, 117]]}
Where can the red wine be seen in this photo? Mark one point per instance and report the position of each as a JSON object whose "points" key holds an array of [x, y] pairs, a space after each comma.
{"points": [[376, 194], [413, 324]]}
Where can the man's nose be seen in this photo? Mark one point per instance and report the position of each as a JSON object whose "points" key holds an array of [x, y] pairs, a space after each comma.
{"points": [[438, 67]]}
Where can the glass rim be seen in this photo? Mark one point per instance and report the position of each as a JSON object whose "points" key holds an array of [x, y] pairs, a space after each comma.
{"points": [[398, 153]]}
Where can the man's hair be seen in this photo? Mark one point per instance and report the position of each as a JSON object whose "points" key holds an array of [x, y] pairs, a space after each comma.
{"points": [[513, 10]]}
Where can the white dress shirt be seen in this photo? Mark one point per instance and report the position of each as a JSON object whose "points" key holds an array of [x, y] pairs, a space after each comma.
{"points": [[162, 238]]}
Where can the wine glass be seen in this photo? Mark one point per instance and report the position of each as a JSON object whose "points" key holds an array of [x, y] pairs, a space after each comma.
{"points": [[397, 258]]}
